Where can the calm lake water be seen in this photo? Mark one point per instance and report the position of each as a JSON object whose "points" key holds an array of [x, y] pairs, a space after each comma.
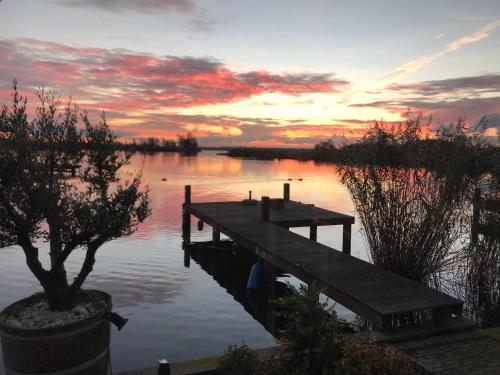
{"points": [[181, 312]]}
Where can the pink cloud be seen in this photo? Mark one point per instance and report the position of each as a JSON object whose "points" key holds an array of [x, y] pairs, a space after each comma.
{"points": [[128, 81]]}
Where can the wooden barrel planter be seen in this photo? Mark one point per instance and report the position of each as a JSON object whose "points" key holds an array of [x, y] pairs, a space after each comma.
{"points": [[80, 348]]}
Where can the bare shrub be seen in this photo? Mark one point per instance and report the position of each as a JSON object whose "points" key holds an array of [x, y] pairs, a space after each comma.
{"points": [[411, 217]]}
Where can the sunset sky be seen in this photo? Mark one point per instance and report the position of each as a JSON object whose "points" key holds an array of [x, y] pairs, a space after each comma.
{"points": [[257, 73]]}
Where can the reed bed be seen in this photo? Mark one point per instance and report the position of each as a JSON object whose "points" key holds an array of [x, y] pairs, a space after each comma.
{"points": [[477, 275]]}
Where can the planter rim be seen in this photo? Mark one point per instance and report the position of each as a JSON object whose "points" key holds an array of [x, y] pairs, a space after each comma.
{"points": [[49, 331]]}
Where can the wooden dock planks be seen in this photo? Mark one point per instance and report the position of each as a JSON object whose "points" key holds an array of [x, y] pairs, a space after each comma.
{"points": [[373, 293]]}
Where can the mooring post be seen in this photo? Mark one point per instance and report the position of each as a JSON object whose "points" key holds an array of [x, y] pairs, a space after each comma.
{"points": [[476, 213], [215, 235], [264, 209], [163, 367], [286, 191], [313, 232], [186, 216], [346, 239]]}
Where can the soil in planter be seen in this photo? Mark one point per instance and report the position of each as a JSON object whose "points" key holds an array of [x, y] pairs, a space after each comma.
{"points": [[35, 312]]}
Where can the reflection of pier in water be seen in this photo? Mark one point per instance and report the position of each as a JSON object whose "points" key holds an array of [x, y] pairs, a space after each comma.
{"points": [[231, 272]]}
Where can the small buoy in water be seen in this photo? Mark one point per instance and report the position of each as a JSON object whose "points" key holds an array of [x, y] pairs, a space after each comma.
{"points": [[200, 225], [254, 282]]}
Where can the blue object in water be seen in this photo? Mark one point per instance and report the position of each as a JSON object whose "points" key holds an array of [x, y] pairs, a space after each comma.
{"points": [[255, 278]]}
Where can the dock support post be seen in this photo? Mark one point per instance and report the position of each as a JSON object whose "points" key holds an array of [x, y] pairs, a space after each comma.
{"points": [[215, 235], [286, 191], [187, 256], [163, 367], [186, 216], [313, 232], [264, 209], [270, 276], [476, 213], [346, 239]]}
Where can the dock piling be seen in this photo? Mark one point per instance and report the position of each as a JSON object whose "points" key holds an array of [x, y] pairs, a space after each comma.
{"points": [[346, 239], [186, 216], [215, 235], [313, 232], [187, 256], [286, 191], [270, 273], [265, 208], [163, 367]]}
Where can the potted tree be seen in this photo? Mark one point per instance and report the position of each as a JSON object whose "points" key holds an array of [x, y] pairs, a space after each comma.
{"points": [[61, 190]]}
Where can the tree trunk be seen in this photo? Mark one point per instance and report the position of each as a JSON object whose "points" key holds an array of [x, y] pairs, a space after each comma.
{"points": [[59, 295]]}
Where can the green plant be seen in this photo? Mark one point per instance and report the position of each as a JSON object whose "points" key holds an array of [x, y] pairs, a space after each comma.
{"points": [[238, 360], [278, 364], [312, 333], [63, 186], [367, 358]]}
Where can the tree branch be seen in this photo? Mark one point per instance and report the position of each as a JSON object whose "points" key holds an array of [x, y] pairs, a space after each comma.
{"points": [[87, 266]]}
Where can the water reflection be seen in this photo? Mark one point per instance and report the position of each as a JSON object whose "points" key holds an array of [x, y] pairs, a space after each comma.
{"points": [[179, 312], [231, 272]]}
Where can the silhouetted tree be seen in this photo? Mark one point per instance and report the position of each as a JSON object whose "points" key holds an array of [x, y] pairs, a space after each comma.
{"points": [[168, 144], [188, 144], [40, 201]]}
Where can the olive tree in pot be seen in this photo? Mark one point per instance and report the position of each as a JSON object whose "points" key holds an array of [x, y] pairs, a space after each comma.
{"points": [[61, 190]]}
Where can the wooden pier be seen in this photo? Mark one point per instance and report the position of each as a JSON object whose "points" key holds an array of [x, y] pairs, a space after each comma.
{"points": [[381, 297]]}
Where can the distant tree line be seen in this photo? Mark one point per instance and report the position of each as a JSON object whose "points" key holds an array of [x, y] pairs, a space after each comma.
{"points": [[407, 144], [187, 144]]}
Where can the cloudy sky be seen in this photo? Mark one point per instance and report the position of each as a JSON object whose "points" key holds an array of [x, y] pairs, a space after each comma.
{"points": [[273, 73]]}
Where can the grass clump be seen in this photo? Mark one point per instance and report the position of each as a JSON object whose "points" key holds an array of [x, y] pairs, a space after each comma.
{"points": [[238, 360]]}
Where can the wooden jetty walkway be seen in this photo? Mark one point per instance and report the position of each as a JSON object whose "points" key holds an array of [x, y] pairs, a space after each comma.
{"points": [[379, 296], [442, 344]]}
